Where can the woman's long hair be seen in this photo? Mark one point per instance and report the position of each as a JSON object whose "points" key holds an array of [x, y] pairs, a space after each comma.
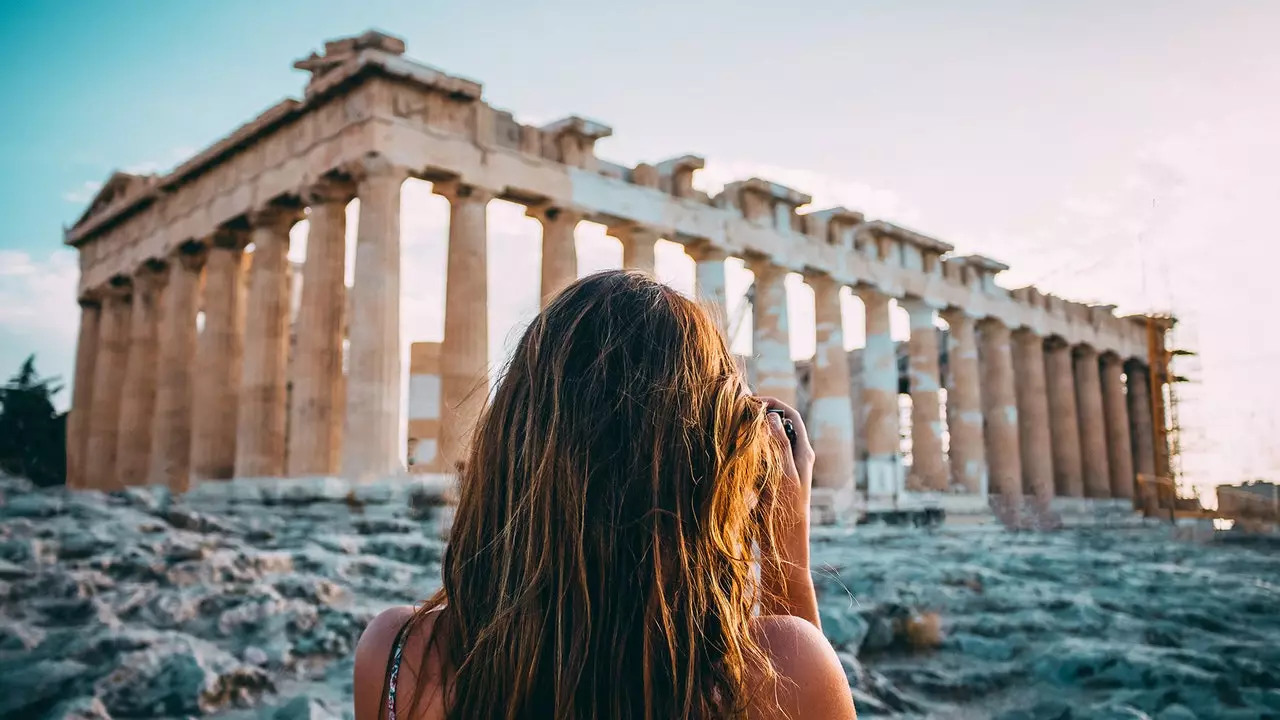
{"points": [[600, 561]]}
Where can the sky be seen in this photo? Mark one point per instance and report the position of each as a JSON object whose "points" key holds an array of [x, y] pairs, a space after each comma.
{"points": [[1124, 152]]}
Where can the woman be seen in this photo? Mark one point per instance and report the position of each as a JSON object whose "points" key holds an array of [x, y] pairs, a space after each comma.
{"points": [[618, 494]]}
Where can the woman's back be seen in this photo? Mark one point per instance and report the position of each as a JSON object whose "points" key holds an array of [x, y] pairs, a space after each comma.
{"points": [[601, 560]]}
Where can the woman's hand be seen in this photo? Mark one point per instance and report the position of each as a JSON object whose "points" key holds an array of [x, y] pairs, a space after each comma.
{"points": [[797, 461], [791, 592]]}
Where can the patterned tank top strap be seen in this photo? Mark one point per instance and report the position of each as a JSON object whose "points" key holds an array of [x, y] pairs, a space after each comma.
{"points": [[393, 669]]}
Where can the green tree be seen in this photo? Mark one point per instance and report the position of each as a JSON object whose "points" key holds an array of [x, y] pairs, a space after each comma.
{"points": [[33, 436]]}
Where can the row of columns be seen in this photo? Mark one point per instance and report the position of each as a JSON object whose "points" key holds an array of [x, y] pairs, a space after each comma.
{"points": [[157, 402]]}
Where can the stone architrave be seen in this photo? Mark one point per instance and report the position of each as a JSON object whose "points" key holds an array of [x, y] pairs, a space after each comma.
{"points": [[964, 405], [138, 396], [82, 392], [929, 465], [1116, 414], [108, 380], [1093, 425], [261, 418], [1064, 420], [464, 353], [371, 430], [830, 419], [637, 246], [1000, 409], [171, 427], [219, 360], [1036, 442], [559, 248], [771, 344], [709, 283], [314, 426], [879, 412]]}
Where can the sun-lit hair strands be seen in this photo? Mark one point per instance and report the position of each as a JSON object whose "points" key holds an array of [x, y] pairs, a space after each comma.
{"points": [[601, 559]]}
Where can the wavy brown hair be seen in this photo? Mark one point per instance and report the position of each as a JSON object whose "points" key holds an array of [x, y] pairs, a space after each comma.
{"points": [[600, 561]]}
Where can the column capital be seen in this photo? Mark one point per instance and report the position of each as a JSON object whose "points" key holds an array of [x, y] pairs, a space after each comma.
{"points": [[328, 190], [150, 275], [990, 324], [191, 255], [762, 265], [956, 314], [1024, 331], [1084, 350], [229, 238], [375, 166], [1056, 342], [1109, 357], [457, 191], [821, 282], [704, 251], [920, 306], [634, 231], [274, 217], [119, 287], [549, 213]]}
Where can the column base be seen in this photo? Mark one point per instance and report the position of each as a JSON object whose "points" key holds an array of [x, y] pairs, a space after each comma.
{"points": [[1078, 512], [885, 478], [833, 506]]}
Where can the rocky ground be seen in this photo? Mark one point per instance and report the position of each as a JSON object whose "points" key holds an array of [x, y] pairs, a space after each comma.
{"points": [[247, 600]]}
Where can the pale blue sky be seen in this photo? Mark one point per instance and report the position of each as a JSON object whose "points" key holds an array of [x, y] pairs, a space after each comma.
{"points": [[1117, 151]]}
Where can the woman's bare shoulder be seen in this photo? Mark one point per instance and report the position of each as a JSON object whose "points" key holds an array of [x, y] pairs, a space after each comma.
{"points": [[812, 684], [373, 654]]}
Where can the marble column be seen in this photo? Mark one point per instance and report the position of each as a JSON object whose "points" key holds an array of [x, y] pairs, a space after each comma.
{"points": [[170, 463], [108, 378], [371, 430], [709, 283], [771, 341], [1093, 427], [464, 353], [830, 420], [559, 248], [138, 395], [964, 405], [219, 360], [878, 415], [1064, 420], [1116, 413], [1140, 424], [928, 464], [1000, 410], [314, 426], [260, 420], [82, 392], [637, 246], [1036, 440]]}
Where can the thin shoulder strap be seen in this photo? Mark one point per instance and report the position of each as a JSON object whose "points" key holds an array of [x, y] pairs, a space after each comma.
{"points": [[390, 678]]}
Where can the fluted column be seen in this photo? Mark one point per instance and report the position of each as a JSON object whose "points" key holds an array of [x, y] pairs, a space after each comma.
{"points": [[709, 282], [371, 429], [637, 246], [1093, 424], [170, 463], [928, 465], [219, 360], [1116, 413], [1000, 409], [1036, 443], [108, 379], [830, 420], [559, 248], [314, 426], [138, 396], [964, 405], [879, 412], [771, 341], [1064, 420], [260, 420], [464, 354], [82, 392], [1140, 425]]}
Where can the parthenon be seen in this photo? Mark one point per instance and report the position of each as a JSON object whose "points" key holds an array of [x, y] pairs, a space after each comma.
{"points": [[185, 371]]}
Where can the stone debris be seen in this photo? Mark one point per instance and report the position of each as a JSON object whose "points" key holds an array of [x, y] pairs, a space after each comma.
{"points": [[239, 603]]}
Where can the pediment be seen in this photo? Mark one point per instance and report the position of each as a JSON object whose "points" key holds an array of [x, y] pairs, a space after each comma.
{"points": [[119, 185]]}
